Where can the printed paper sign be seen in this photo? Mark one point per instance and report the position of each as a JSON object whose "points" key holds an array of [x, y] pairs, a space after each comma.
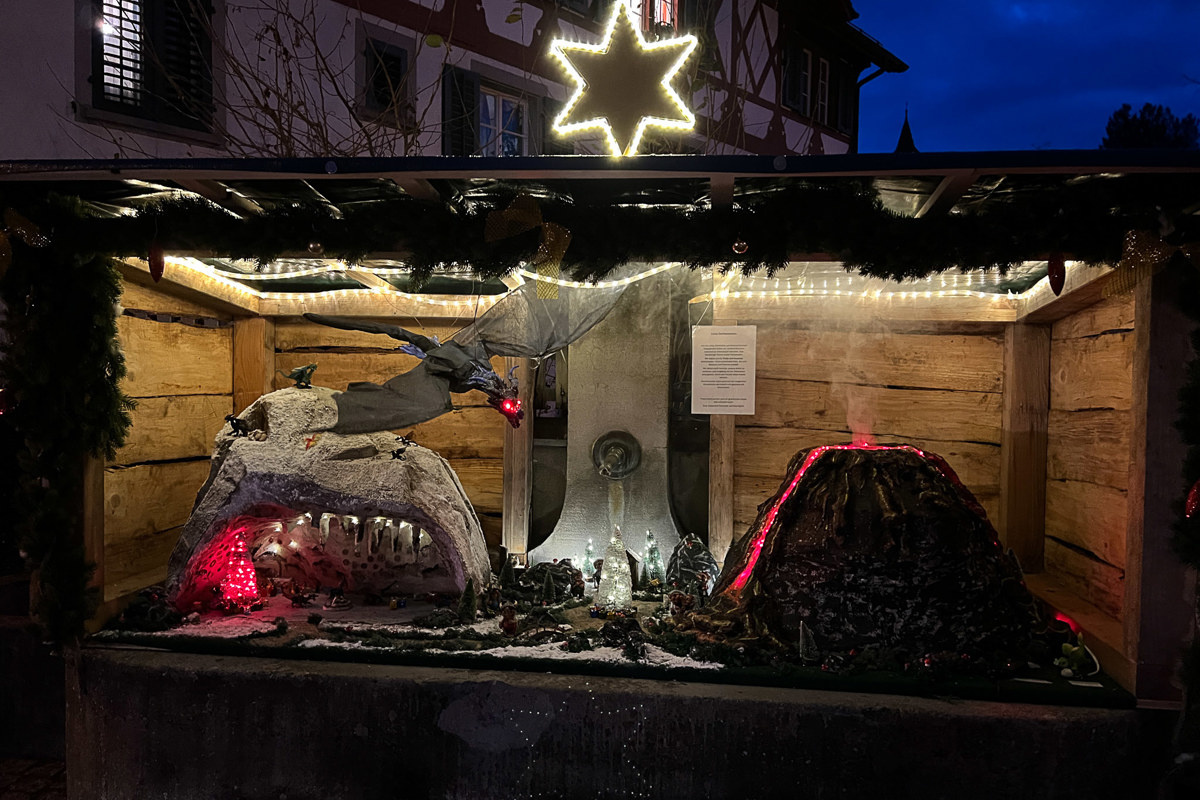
{"points": [[723, 369]]}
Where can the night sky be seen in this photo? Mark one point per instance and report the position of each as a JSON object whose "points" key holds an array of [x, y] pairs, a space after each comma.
{"points": [[1042, 74]]}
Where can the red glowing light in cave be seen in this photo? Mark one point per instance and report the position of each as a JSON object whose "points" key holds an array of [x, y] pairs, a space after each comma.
{"points": [[239, 585], [761, 536]]}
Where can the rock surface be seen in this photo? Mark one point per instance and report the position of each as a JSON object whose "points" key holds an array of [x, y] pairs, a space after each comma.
{"points": [[327, 509]]}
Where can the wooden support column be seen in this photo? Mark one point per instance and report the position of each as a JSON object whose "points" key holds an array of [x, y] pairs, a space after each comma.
{"points": [[1159, 590], [721, 434], [1026, 411], [518, 465], [253, 360]]}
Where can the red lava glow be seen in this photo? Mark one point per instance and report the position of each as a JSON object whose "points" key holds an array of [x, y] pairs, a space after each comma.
{"points": [[221, 572], [761, 536], [1072, 624]]}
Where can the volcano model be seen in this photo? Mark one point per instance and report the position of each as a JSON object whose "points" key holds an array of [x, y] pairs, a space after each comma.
{"points": [[873, 547]]}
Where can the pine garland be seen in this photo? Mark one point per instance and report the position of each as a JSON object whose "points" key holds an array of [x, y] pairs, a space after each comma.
{"points": [[843, 218], [61, 369]]}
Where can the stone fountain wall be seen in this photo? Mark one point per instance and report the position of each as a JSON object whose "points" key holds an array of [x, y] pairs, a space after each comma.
{"points": [[619, 380]]}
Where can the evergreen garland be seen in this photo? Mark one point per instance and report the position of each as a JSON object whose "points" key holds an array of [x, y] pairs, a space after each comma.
{"points": [[60, 370], [845, 219]]}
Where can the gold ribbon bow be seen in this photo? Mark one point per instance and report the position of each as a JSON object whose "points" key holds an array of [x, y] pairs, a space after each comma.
{"points": [[523, 215], [1145, 253], [16, 225]]}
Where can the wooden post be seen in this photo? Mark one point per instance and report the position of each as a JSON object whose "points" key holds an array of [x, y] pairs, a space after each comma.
{"points": [[253, 360], [1159, 591], [721, 432], [518, 465], [1025, 415], [93, 518]]}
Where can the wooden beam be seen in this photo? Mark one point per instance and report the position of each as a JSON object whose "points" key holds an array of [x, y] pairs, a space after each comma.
{"points": [[369, 279], [180, 280], [93, 518], [947, 193], [1023, 426], [721, 439], [382, 305], [1159, 590], [850, 309], [1084, 286], [253, 360], [518, 465]]}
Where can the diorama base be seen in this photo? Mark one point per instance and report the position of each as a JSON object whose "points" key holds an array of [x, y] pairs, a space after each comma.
{"points": [[147, 723]]}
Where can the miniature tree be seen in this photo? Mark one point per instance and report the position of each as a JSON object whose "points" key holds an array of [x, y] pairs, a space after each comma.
{"points": [[508, 576], [654, 569], [589, 558], [469, 603], [616, 581], [549, 592]]}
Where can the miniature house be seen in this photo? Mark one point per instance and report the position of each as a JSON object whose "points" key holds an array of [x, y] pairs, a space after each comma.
{"points": [[1054, 408]]}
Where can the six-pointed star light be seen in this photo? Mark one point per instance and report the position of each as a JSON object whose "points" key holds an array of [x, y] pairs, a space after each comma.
{"points": [[623, 84]]}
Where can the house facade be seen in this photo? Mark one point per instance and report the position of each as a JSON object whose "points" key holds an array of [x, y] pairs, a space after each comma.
{"points": [[290, 78]]}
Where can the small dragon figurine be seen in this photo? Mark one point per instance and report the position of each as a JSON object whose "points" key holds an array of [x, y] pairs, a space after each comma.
{"points": [[301, 375]]}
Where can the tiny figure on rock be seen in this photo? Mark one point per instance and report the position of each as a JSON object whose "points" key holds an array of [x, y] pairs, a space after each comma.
{"points": [[598, 567], [577, 584], [240, 427], [681, 603], [402, 445], [301, 375], [493, 600]]}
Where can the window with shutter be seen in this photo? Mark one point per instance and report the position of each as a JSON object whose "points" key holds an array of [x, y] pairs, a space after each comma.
{"points": [[152, 59], [797, 78]]}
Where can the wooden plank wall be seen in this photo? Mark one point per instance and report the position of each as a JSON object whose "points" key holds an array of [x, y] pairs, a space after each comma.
{"points": [[941, 391], [1087, 459], [470, 438], [180, 376]]}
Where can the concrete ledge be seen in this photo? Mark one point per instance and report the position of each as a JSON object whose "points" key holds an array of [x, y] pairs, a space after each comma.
{"points": [[147, 724]]}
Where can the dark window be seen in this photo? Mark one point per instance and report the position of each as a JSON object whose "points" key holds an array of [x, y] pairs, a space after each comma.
{"points": [[151, 59], [846, 97], [797, 78], [821, 110], [386, 91]]}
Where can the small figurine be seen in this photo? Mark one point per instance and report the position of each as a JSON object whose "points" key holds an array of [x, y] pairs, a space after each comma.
{"points": [[240, 427], [508, 619], [301, 375], [577, 584], [681, 603], [403, 442], [336, 601], [597, 567], [492, 600]]}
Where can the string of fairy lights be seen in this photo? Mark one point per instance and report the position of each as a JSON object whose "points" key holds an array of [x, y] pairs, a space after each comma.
{"points": [[795, 282]]}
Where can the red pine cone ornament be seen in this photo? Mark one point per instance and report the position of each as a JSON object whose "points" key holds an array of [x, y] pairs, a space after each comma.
{"points": [[157, 261], [1056, 268], [1193, 500]]}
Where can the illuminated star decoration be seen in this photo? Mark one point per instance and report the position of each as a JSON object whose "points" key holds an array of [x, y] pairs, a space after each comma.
{"points": [[623, 84]]}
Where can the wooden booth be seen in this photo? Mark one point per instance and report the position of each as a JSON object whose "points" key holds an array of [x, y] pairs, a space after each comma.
{"points": [[1055, 409]]}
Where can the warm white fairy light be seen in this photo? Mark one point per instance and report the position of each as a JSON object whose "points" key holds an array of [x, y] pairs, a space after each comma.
{"points": [[195, 265], [533, 276], [562, 50]]}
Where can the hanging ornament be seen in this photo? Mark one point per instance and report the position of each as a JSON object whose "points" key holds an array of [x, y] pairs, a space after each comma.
{"points": [[1193, 500], [157, 260], [1056, 268], [740, 247], [316, 248], [524, 214]]}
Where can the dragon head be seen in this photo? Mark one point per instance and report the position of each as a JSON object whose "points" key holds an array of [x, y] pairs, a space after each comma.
{"points": [[501, 393]]}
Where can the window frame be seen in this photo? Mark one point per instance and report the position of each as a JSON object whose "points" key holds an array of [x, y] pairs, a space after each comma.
{"points": [[92, 108], [370, 41], [799, 97], [821, 107], [502, 93]]}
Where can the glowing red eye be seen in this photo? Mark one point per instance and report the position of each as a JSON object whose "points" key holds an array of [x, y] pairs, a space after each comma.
{"points": [[508, 406]]}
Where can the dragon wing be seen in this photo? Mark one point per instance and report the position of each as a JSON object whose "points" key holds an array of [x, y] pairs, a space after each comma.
{"points": [[526, 325]]}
